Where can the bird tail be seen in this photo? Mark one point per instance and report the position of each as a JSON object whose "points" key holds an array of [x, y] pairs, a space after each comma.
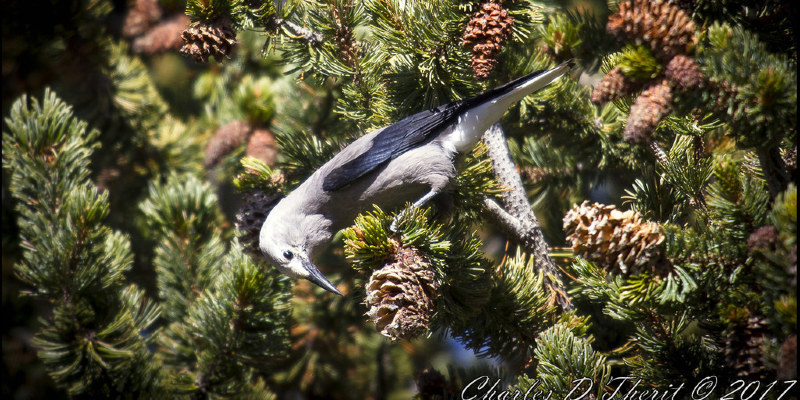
{"points": [[483, 110], [515, 90]]}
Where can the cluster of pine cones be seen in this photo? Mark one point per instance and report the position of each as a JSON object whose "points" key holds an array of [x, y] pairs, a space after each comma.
{"points": [[613, 238], [148, 29], [669, 34], [486, 34], [260, 143]]}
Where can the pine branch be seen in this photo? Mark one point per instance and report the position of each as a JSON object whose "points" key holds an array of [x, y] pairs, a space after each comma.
{"points": [[312, 37], [526, 230], [96, 342]]}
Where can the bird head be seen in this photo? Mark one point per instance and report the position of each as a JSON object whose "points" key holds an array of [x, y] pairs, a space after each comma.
{"points": [[289, 240]]}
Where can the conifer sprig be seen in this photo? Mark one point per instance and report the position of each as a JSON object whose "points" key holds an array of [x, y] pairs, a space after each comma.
{"points": [[96, 343]]}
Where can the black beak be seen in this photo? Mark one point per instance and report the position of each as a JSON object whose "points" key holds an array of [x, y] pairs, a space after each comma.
{"points": [[320, 280]]}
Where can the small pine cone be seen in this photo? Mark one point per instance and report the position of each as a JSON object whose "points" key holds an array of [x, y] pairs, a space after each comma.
{"points": [[225, 139], [613, 86], [486, 33], [684, 72], [646, 112], [662, 26], [141, 15], [251, 216], [208, 38], [789, 157], [743, 348], [431, 384], [787, 362], [262, 146], [400, 295], [764, 238], [164, 36], [614, 238]]}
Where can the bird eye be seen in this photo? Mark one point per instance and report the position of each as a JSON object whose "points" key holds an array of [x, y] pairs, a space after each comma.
{"points": [[288, 255]]}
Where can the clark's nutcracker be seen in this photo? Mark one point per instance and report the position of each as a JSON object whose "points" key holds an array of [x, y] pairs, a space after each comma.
{"points": [[411, 160]]}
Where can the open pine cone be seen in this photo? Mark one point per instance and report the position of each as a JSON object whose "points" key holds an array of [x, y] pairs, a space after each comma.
{"points": [[486, 34], [614, 238], [663, 27], [400, 295], [209, 38]]}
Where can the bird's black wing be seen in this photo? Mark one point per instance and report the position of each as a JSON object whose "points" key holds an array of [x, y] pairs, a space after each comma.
{"points": [[413, 131], [394, 140]]}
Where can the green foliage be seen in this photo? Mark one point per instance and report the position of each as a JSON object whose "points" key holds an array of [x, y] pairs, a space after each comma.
{"points": [[474, 182], [96, 342], [639, 64], [670, 350], [458, 263], [784, 215], [566, 363], [226, 316], [761, 110], [258, 176], [518, 309], [656, 201], [738, 201], [686, 171], [239, 324], [209, 10], [368, 241], [181, 213]]}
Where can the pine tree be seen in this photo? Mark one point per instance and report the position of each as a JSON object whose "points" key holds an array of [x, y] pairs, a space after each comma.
{"points": [[645, 205]]}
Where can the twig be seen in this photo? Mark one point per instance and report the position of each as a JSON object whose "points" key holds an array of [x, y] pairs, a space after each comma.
{"points": [[313, 38], [507, 222], [517, 217]]}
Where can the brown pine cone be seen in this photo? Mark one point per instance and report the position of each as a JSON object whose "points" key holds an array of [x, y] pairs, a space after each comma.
{"points": [[225, 139], [789, 157], [141, 15], [486, 33], [764, 238], [262, 146], [684, 72], [162, 37], [250, 218], [662, 26], [743, 349], [209, 38], [400, 295], [613, 238], [613, 86], [787, 362], [654, 103]]}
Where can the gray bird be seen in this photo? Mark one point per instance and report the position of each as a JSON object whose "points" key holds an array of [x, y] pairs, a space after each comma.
{"points": [[413, 159]]}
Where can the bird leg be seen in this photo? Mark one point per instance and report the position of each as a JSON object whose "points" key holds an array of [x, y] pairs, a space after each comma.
{"points": [[417, 204]]}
